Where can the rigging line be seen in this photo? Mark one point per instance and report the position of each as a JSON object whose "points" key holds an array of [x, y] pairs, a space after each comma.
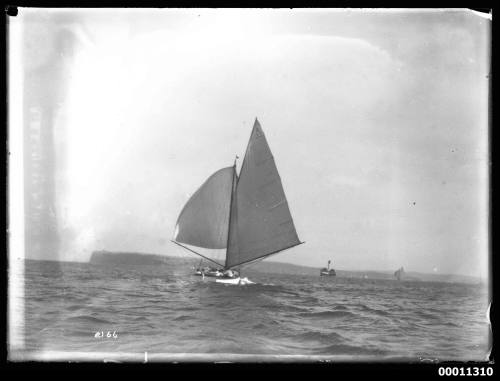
{"points": [[263, 256], [230, 210], [187, 248]]}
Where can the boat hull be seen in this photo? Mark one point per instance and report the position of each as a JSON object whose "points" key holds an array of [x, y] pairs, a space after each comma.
{"points": [[222, 279], [328, 273], [207, 275], [234, 281]]}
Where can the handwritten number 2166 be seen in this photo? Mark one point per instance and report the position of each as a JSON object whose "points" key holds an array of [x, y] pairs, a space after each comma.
{"points": [[101, 334]]}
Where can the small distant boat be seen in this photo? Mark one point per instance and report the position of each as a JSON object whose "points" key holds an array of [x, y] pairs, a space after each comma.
{"points": [[247, 215], [399, 273], [326, 271]]}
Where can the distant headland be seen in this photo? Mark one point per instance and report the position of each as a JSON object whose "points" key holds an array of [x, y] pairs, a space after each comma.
{"points": [[131, 258], [107, 257]]}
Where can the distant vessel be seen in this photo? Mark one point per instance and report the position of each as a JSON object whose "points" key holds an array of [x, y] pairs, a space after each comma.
{"points": [[326, 271], [247, 215], [399, 273]]}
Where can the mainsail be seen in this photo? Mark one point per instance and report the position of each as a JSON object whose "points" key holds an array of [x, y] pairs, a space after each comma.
{"points": [[248, 215], [261, 223]]}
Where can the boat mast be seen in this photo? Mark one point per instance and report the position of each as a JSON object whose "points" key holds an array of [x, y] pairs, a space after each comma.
{"points": [[230, 209]]}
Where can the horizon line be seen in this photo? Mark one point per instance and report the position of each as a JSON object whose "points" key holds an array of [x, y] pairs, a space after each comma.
{"points": [[479, 277]]}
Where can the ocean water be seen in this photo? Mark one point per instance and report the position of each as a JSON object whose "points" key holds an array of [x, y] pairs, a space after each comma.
{"points": [[165, 310]]}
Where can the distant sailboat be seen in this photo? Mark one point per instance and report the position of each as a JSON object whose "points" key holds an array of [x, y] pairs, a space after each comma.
{"points": [[247, 215], [326, 271], [399, 273]]}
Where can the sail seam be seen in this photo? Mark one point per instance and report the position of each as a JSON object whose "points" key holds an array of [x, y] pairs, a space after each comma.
{"points": [[282, 202]]}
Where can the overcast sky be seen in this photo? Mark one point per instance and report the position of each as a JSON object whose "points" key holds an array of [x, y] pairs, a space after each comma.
{"points": [[378, 122]]}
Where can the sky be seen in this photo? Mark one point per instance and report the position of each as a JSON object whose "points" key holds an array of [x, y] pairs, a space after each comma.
{"points": [[377, 120]]}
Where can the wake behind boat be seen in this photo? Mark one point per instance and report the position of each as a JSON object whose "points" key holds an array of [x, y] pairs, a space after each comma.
{"points": [[247, 215]]}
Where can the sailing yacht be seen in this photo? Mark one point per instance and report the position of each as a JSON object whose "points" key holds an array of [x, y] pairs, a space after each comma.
{"points": [[399, 273], [327, 271], [246, 215]]}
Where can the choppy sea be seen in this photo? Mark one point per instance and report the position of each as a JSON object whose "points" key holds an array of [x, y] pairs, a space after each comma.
{"points": [[84, 308]]}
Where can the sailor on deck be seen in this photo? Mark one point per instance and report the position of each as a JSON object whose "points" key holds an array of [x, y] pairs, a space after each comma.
{"points": [[229, 273]]}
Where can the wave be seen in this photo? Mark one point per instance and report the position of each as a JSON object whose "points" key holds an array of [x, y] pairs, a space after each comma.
{"points": [[74, 307], [259, 326], [188, 308], [340, 307], [158, 311], [140, 318], [427, 315], [328, 314], [272, 288], [183, 318], [345, 349], [308, 300], [87, 319], [288, 308], [375, 311], [78, 333], [324, 337]]}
